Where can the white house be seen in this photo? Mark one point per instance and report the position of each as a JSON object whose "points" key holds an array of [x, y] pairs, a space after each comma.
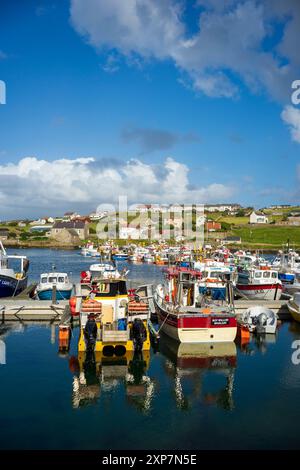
{"points": [[38, 222], [258, 218], [222, 207], [98, 215]]}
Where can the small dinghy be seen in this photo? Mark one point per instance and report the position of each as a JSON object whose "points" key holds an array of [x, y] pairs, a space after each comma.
{"points": [[294, 306], [260, 320]]}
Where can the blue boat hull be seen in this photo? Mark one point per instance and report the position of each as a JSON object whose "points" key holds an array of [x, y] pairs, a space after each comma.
{"points": [[10, 287], [120, 258], [60, 295], [185, 264], [286, 277], [217, 293]]}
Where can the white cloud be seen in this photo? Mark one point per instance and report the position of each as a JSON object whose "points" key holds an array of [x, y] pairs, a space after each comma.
{"points": [[229, 43], [291, 116], [149, 28], [83, 183]]}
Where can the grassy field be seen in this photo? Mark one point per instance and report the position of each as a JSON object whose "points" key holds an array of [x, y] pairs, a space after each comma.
{"points": [[270, 234], [231, 219], [284, 210]]}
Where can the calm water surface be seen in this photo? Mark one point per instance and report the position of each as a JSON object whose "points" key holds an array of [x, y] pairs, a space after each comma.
{"points": [[177, 397]]}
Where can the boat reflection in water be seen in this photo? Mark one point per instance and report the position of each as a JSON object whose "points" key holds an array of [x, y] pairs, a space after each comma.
{"points": [[5, 329], [189, 364], [96, 374], [257, 344]]}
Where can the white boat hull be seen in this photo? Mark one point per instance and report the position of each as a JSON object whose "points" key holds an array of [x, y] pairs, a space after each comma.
{"points": [[260, 291], [206, 332]]}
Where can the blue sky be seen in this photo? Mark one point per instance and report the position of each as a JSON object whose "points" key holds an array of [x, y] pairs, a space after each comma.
{"points": [[165, 101]]}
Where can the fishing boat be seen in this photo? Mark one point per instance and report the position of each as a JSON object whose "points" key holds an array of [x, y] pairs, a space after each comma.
{"points": [[12, 283], [287, 262], [137, 254], [50, 281], [294, 306], [120, 256], [182, 314], [214, 280], [89, 250], [149, 258], [259, 284], [290, 288], [286, 277], [118, 318], [103, 270]]}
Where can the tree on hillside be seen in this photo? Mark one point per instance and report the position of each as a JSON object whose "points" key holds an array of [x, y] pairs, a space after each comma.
{"points": [[240, 213]]}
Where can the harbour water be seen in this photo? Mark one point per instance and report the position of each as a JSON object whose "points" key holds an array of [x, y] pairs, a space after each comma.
{"points": [[204, 398]]}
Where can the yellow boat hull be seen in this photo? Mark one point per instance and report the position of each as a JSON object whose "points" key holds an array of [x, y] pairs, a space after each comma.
{"points": [[100, 345], [294, 312]]}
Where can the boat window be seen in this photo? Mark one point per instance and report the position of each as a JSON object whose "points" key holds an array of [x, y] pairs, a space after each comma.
{"points": [[61, 279], [53, 279], [274, 275], [257, 274], [44, 280], [217, 274], [103, 287], [122, 288], [267, 274]]}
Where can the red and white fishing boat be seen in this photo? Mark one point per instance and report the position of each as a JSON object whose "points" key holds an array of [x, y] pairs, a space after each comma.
{"points": [[183, 316], [260, 283]]}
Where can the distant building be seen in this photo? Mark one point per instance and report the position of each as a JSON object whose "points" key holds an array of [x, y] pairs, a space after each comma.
{"points": [[38, 222], [82, 218], [294, 221], [67, 237], [132, 233], [40, 228], [70, 215], [212, 226], [143, 207], [76, 227], [98, 215], [4, 234], [258, 218], [222, 207]]}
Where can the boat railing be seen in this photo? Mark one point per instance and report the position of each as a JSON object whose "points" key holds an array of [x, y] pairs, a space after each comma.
{"points": [[166, 304]]}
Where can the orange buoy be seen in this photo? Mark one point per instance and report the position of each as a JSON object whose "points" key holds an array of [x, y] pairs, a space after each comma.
{"points": [[243, 333], [64, 337], [72, 304]]}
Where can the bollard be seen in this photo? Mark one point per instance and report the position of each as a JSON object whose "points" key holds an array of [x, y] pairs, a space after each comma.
{"points": [[54, 297]]}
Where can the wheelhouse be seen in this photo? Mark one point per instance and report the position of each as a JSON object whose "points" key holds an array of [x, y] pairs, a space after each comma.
{"points": [[109, 288]]}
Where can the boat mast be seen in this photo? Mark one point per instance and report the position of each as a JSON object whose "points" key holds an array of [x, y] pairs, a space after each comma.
{"points": [[2, 249]]}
